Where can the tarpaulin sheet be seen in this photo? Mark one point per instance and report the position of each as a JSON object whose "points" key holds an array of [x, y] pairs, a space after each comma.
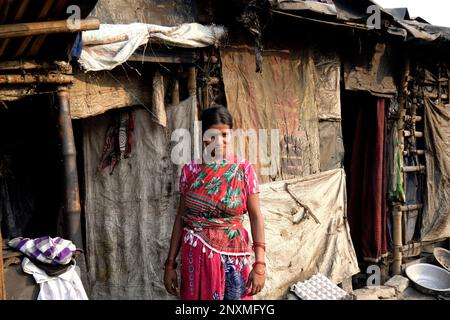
{"points": [[95, 93], [331, 145], [328, 98], [113, 44], [373, 74], [328, 91], [436, 213], [320, 6], [130, 213], [298, 246], [281, 97]]}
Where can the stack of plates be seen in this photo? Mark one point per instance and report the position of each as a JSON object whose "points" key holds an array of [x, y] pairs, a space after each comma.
{"points": [[319, 287]]}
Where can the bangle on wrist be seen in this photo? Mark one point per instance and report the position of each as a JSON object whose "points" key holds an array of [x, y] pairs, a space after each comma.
{"points": [[170, 264], [259, 245], [259, 262], [260, 273]]}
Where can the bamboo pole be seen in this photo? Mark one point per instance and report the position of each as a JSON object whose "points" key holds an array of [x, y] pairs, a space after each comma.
{"points": [[35, 78], [26, 41], [46, 27], [411, 207], [413, 168], [417, 134], [398, 243], [2, 274], [72, 207], [176, 93], [418, 152], [192, 81], [397, 212], [25, 64]]}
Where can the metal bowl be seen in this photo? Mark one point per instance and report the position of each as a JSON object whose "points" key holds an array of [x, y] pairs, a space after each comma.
{"points": [[443, 257], [429, 279]]}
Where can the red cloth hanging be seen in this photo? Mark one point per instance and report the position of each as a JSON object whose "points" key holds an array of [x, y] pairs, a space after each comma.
{"points": [[367, 202]]}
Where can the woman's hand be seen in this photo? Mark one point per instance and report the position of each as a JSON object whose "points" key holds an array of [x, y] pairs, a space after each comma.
{"points": [[256, 280], [171, 281]]}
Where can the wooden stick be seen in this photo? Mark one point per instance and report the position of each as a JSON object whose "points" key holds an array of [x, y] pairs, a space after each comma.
{"points": [[26, 64], [31, 78], [192, 81], [176, 93], [56, 12], [2, 275], [308, 211], [72, 205], [413, 168], [47, 27]]}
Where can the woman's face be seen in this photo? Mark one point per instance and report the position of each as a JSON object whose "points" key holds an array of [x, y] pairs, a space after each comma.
{"points": [[223, 137]]}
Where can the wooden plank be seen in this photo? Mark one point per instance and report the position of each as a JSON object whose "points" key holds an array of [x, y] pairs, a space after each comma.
{"points": [[38, 41], [413, 168], [2, 275], [46, 27], [411, 207], [17, 16], [16, 92], [4, 11], [21, 10], [3, 45], [410, 152], [417, 134], [25, 64], [163, 58], [22, 47]]}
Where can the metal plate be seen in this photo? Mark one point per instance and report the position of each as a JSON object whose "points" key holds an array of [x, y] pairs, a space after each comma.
{"points": [[429, 279], [443, 257]]}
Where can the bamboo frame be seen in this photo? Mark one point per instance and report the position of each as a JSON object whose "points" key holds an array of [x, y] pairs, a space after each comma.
{"points": [[27, 64], [56, 78], [72, 206], [2, 274], [42, 14], [192, 81], [176, 93], [397, 214], [46, 27]]}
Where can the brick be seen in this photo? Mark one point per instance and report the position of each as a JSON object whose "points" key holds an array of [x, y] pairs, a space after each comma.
{"points": [[382, 292], [398, 282]]}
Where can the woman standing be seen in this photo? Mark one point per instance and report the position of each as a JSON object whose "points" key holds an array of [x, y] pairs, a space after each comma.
{"points": [[208, 227]]}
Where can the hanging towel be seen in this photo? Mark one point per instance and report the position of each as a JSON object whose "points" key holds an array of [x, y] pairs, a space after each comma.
{"points": [[66, 286]]}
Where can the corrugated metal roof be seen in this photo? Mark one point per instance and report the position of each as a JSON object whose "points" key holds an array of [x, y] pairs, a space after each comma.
{"points": [[52, 46]]}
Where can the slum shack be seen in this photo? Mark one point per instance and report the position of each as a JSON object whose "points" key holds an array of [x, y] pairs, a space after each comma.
{"points": [[354, 171]]}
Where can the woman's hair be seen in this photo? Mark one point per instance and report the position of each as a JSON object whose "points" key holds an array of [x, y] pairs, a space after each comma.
{"points": [[217, 114]]}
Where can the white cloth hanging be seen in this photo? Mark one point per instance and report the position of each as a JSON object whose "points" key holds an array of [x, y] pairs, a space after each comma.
{"points": [[66, 286]]}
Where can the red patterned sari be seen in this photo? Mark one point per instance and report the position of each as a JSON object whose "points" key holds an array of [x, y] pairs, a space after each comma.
{"points": [[215, 248]]}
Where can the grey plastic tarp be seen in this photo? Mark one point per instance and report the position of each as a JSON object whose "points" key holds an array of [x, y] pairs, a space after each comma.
{"points": [[130, 214], [299, 247], [436, 214]]}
